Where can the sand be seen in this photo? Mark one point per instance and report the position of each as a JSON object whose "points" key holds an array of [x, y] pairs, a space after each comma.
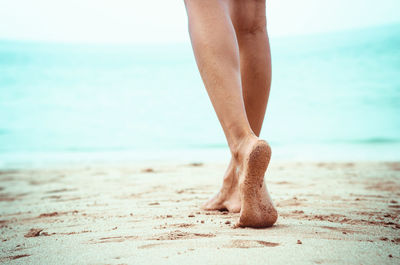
{"points": [[149, 213]]}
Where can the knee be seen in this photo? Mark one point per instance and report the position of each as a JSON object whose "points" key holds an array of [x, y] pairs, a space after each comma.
{"points": [[252, 26], [249, 17]]}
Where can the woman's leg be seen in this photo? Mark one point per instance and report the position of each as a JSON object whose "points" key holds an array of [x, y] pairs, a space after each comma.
{"points": [[249, 21], [217, 55]]}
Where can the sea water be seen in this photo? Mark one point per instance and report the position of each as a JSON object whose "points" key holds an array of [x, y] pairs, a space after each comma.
{"points": [[333, 96]]}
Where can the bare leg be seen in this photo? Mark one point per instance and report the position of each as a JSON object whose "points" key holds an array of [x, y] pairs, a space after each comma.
{"points": [[217, 55], [249, 20]]}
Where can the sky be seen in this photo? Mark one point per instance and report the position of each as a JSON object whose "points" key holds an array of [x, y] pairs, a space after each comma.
{"points": [[165, 21]]}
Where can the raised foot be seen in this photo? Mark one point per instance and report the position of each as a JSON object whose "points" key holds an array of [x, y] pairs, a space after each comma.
{"points": [[257, 209]]}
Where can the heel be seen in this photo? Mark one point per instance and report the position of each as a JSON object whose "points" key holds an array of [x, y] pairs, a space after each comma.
{"points": [[259, 159]]}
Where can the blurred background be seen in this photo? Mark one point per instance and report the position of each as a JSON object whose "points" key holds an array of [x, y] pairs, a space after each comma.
{"points": [[110, 80]]}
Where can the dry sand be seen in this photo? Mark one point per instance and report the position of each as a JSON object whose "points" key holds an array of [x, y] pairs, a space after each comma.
{"points": [[330, 213]]}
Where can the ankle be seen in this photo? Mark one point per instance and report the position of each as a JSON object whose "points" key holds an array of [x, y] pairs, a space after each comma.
{"points": [[238, 148]]}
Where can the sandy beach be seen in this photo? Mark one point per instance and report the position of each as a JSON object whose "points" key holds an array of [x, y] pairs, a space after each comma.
{"points": [[330, 213]]}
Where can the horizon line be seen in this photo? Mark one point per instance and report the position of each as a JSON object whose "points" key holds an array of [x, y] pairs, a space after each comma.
{"points": [[123, 43]]}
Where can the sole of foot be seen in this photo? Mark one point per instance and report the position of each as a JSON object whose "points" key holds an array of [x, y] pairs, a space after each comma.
{"points": [[257, 209]]}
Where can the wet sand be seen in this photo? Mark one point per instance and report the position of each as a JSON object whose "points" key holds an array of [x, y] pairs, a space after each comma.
{"points": [[330, 213]]}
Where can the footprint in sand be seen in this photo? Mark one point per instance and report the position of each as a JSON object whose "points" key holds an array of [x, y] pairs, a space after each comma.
{"points": [[250, 244], [177, 234]]}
